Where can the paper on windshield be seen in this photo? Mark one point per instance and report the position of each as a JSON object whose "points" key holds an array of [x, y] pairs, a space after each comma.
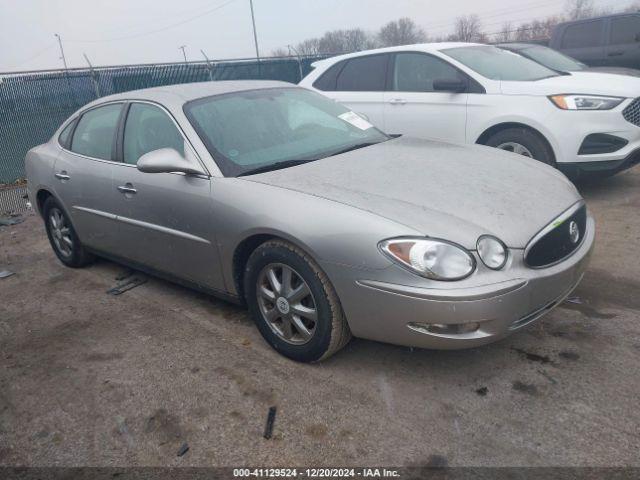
{"points": [[356, 120]]}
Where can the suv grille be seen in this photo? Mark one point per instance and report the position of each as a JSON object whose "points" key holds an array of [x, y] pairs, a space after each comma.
{"points": [[558, 240], [631, 113]]}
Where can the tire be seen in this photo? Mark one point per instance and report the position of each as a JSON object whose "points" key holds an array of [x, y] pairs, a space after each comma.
{"points": [[536, 146], [326, 335], [60, 232]]}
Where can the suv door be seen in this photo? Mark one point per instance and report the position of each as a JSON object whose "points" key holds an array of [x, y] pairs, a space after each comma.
{"points": [[412, 107], [623, 48], [165, 219], [359, 83], [83, 175], [584, 41]]}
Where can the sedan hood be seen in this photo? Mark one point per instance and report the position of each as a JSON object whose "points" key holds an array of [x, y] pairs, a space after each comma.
{"points": [[455, 192], [592, 83]]}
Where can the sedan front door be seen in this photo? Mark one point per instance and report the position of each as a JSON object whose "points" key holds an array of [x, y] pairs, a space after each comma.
{"points": [[165, 219], [413, 107]]}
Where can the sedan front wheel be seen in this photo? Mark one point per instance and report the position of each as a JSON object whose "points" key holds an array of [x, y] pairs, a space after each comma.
{"points": [[293, 303]]}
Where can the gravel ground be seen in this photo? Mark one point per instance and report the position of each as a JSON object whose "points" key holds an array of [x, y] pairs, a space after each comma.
{"points": [[88, 378]]}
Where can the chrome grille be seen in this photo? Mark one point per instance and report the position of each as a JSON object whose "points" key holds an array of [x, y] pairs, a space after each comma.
{"points": [[631, 113]]}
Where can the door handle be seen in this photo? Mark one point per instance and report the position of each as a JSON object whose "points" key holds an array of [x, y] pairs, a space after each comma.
{"points": [[128, 188], [616, 53], [397, 101], [62, 175]]}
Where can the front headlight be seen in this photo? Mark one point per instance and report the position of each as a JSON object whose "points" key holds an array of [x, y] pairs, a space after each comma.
{"points": [[585, 102], [431, 258], [492, 252]]}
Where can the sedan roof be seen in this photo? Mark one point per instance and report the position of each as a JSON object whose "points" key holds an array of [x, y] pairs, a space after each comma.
{"points": [[184, 92]]}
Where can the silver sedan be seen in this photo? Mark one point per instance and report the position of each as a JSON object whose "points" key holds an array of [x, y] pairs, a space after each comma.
{"points": [[275, 197]]}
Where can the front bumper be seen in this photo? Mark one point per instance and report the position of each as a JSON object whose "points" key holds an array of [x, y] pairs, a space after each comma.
{"points": [[388, 312], [600, 169]]}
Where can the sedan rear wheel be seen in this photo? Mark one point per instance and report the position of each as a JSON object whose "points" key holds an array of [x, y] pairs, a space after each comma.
{"points": [[294, 305], [63, 238]]}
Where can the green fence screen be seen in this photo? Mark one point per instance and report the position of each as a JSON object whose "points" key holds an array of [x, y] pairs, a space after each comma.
{"points": [[34, 104]]}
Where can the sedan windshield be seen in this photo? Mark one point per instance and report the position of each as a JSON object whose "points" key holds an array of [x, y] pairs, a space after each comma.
{"points": [[497, 64], [552, 59], [260, 130]]}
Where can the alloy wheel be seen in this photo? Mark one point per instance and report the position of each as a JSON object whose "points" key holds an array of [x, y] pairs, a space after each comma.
{"points": [[60, 232], [286, 303], [515, 148]]}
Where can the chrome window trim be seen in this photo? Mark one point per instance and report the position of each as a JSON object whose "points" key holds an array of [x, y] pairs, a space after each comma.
{"points": [[131, 101], [551, 226]]}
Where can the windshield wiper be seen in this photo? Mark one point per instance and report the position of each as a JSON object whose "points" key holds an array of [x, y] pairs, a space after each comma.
{"points": [[274, 166], [354, 147]]}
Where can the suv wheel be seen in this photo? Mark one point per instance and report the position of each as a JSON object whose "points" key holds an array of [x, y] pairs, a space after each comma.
{"points": [[523, 142]]}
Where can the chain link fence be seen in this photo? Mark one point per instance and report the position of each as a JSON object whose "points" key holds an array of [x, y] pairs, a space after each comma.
{"points": [[34, 104]]}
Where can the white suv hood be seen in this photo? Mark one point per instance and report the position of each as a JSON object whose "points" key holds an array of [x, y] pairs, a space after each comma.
{"points": [[592, 83]]}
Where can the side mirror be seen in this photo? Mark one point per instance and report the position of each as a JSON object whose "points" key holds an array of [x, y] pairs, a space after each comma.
{"points": [[454, 85], [167, 160]]}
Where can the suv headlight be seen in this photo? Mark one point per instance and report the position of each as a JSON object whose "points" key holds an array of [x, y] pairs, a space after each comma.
{"points": [[430, 257], [585, 102]]}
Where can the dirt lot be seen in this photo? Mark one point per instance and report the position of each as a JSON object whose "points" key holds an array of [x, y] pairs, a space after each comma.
{"points": [[93, 379]]}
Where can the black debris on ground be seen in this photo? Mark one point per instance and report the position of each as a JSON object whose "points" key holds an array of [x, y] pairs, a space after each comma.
{"points": [[183, 449], [271, 418], [482, 391]]}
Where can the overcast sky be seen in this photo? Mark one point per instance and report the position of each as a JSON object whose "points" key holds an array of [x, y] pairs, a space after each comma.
{"points": [[143, 31]]}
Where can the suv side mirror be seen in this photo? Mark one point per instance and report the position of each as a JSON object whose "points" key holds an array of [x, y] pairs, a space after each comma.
{"points": [[166, 160], [454, 85]]}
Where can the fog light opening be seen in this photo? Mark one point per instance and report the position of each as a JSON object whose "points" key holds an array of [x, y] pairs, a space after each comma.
{"points": [[445, 329]]}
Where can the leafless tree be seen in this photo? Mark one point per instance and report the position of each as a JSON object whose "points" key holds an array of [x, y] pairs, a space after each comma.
{"points": [[467, 29], [400, 32], [343, 41], [506, 33], [279, 52], [578, 9], [310, 46]]}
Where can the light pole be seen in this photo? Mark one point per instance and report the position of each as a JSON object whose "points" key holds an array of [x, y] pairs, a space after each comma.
{"points": [[183, 47], [255, 35], [64, 60]]}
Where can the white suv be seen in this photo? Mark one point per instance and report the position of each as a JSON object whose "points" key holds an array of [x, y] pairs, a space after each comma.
{"points": [[463, 92]]}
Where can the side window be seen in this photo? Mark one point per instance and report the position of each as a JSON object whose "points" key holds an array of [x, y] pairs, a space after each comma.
{"points": [[586, 34], [149, 128], [415, 72], [363, 74], [94, 135], [327, 81], [65, 135], [625, 30]]}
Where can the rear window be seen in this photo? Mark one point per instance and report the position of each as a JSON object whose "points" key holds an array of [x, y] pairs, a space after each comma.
{"points": [[586, 34], [94, 136], [363, 74], [625, 30], [327, 81]]}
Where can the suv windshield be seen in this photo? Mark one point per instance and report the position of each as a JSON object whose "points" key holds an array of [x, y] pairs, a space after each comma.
{"points": [[259, 130], [497, 64], [552, 59]]}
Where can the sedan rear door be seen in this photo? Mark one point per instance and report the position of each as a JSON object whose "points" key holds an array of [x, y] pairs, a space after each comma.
{"points": [[82, 175]]}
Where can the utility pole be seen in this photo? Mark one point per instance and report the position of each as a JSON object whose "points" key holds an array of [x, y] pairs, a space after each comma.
{"points": [[62, 57], [94, 76], [255, 35], [182, 47]]}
